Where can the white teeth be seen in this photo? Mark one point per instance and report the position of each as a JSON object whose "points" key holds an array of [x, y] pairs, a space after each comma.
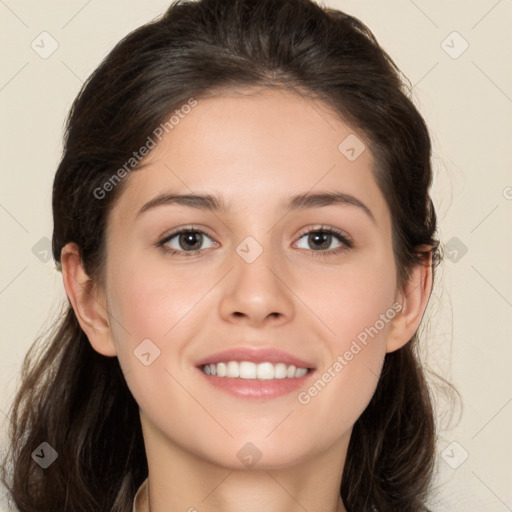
{"points": [[266, 371], [233, 369], [221, 370], [290, 372], [299, 373], [280, 371], [249, 370]]}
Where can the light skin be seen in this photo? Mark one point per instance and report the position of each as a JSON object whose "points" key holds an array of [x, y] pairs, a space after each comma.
{"points": [[254, 149]]}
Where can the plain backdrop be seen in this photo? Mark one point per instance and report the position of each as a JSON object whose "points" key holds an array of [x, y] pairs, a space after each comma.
{"points": [[456, 55]]}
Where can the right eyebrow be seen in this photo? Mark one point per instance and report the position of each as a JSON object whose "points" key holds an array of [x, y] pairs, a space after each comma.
{"points": [[199, 201]]}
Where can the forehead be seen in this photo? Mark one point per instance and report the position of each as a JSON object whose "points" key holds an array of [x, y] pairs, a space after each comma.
{"points": [[255, 147]]}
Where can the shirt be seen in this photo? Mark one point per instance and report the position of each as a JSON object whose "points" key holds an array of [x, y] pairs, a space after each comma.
{"points": [[141, 500]]}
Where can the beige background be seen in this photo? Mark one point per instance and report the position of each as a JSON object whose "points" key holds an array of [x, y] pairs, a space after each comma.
{"points": [[467, 102]]}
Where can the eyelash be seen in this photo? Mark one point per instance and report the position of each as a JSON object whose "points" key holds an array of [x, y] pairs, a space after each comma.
{"points": [[339, 235]]}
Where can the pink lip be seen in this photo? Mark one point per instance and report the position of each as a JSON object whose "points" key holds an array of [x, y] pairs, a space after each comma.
{"points": [[256, 389], [254, 355]]}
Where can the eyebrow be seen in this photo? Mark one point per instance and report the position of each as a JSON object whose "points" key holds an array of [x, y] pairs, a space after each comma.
{"points": [[213, 203]]}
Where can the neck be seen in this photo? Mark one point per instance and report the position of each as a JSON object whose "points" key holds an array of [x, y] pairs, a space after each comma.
{"points": [[250, 491]]}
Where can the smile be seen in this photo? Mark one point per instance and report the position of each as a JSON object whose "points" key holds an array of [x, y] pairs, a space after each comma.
{"points": [[249, 370]]}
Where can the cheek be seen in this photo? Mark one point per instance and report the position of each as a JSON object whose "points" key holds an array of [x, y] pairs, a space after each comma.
{"points": [[150, 300], [151, 312], [356, 311], [350, 300], [149, 309]]}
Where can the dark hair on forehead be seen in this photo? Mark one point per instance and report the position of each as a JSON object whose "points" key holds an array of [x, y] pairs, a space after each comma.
{"points": [[194, 50]]}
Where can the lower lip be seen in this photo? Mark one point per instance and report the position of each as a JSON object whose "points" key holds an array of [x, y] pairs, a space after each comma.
{"points": [[256, 389]]}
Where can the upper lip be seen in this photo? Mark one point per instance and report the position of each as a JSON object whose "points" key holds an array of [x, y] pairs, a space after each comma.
{"points": [[255, 355]]}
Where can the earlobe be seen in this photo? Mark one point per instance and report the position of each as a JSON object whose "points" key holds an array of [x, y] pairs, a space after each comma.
{"points": [[413, 299], [87, 300]]}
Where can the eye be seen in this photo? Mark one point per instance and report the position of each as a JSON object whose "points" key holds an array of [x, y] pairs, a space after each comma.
{"points": [[187, 241], [322, 238]]}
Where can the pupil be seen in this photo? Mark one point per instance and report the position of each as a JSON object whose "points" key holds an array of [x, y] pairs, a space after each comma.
{"points": [[319, 237], [191, 239]]}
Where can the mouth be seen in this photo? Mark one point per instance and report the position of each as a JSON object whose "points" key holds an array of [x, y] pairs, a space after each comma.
{"points": [[248, 370], [255, 373]]}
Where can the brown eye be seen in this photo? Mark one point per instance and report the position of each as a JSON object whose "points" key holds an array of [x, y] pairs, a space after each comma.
{"points": [[321, 240], [190, 240], [185, 241]]}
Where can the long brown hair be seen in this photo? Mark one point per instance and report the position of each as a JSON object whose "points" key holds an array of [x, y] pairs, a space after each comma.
{"points": [[77, 400]]}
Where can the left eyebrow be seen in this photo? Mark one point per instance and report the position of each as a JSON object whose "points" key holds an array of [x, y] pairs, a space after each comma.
{"points": [[298, 202], [319, 199]]}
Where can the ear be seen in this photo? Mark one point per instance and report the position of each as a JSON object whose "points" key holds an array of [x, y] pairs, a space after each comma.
{"points": [[413, 299], [88, 301]]}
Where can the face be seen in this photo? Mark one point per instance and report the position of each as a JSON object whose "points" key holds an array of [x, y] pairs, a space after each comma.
{"points": [[261, 279]]}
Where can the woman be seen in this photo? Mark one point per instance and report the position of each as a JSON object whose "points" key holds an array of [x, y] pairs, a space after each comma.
{"points": [[243, 223]]}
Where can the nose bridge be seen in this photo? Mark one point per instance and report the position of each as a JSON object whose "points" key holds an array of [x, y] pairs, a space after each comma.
{"points": [[256, 289]]}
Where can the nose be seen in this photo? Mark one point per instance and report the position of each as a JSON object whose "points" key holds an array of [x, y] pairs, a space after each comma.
{"points": [[258, 292]]}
